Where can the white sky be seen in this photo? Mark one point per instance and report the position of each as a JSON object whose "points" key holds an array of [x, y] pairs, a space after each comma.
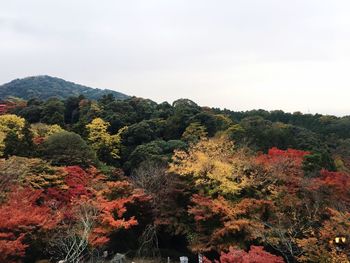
{"points": [[238, 54]]}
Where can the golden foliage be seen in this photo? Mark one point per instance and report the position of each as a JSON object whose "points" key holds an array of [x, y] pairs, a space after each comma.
{"points": [[100, 138], [212, 163], [44, 130], [33, 172], [9, 122]]}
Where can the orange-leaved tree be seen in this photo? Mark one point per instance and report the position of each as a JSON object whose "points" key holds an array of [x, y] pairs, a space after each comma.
{"points": [[21, 216], [113, 203]]}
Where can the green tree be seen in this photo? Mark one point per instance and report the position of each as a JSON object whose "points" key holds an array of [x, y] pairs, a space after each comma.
{"points": [[53, 112], [71, 112], [194, 132], [68, 148], [208, 120], [184, 110], [27, 140], [12, 144], [33, 111], [158, 151], [237, 134]]}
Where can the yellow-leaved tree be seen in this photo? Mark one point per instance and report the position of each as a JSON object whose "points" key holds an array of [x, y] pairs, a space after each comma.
{"points": [[106, 145], [214, 165], [10, 123]]}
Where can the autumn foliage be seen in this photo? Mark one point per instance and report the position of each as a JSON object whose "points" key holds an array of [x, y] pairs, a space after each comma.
{"points": [[219, 222], [20, 217], [213, 166], [112, 204], [215, 198], [80, 177], [76, 185], [266, 199], [337, 184], [256, 254]]}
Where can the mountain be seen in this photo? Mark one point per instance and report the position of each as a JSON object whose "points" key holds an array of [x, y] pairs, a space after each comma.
{"points": [[44, 87]]}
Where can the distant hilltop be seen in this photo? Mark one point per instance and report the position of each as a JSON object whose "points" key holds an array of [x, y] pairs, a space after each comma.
{"points": [[45, 87]]}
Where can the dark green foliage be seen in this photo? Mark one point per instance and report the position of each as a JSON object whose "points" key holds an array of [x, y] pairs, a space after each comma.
{"points": [[71, 111], [164, 110], [156, 151], [236, 133], [313, 163], [45, 87], [208, 121], [144, 131], [12, 144], [28, 146], [68, 148], [261, 134], [32, 113], [184, 110], [320, 124], [149, 122], [106, 99], [139, 133], [124, 113], [257, 130], [53, 112]]}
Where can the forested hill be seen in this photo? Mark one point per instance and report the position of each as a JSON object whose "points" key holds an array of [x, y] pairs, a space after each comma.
{"points": [[45, 87], [80, 178]]}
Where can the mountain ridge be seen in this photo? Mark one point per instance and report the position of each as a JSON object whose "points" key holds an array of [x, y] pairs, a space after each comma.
{"points": [[44, 87]]}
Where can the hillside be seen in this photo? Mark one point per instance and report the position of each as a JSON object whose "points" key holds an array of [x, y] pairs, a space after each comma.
{"points": [[146, 179], [44, 87]]}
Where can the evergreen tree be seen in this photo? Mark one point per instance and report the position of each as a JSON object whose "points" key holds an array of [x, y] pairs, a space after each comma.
{"points": [[27, 146]]}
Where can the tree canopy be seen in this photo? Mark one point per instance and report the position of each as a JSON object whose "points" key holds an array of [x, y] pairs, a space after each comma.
{"points": [[79, 177]]}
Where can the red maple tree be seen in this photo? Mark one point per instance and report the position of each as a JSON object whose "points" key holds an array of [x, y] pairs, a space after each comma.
{"points": [[20, 215], [113, 202]]}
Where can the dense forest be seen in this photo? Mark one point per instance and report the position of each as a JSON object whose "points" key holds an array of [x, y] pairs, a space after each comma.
{"points": [[45, 87], [82, 180]]}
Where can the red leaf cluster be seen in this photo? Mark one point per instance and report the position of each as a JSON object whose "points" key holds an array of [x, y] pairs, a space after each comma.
{"points": [[275, 156], [19, 215], [337, 182], [113, 202], [38, 140], [7, 106], [76, 181], [284, 167], [256, 254]]}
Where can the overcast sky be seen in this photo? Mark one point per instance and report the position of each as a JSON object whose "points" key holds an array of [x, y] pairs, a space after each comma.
{"points": [[247, 54]]}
